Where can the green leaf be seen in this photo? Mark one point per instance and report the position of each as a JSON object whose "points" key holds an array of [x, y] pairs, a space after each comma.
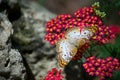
{"points": [[115, 48], [106, 50], [100, 51], [116, 75], [103, 51]]}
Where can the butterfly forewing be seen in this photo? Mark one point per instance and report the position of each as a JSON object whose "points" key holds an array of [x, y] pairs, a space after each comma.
{"points": [[73, 35], [86, 34]]}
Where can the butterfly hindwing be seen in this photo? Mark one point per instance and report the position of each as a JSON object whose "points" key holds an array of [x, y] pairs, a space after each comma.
{"points": [[73, 35], [66, 51]]}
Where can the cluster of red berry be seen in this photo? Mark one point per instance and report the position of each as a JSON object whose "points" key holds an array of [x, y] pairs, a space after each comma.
{"points": [[54, 74], [103, 35], [80, 52], [56, 27], [86, 17], [101, 67]]}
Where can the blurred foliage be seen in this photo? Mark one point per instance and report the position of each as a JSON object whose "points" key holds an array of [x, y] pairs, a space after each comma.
{"points": [[106, 50], [42, 2], [116, 75], [111, 8]]}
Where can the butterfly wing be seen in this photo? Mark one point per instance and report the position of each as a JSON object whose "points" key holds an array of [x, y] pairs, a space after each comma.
{"points": [[74, 39], [73, 35], [86, 34], [66, 52]]}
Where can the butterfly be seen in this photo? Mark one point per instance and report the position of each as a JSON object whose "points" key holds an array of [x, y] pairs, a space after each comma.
{"points": [[74, 39]]}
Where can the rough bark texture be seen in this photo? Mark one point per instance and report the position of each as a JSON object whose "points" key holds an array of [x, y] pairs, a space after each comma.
{"points": [[29, 32], [11, 63], [23, 27]]}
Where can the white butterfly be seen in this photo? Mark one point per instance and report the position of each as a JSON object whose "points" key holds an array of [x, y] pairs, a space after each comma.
{"points": [[74, 39]]}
